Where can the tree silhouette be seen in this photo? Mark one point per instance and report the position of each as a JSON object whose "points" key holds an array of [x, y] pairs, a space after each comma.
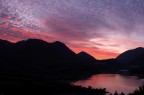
{"points": [[116, 93], [139, 91], [122, 93]]}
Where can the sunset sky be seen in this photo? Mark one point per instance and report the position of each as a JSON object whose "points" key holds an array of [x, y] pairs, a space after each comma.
{"points": [[102, 28]]}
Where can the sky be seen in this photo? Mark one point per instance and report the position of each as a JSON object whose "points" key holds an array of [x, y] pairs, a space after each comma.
{"points": [[102, 28]]}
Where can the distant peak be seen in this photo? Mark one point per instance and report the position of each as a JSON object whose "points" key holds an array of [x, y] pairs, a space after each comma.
{"points": [[85, 54], [36, 40], [58, 42], [2, 42], [140, 48], [82, 52], [32, 40]]}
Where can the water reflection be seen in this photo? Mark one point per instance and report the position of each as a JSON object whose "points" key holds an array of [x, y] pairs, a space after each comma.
{"points": [[112, 82]]}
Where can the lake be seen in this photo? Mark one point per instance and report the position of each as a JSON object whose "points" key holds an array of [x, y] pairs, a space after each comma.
{"points": [[112, 82]]}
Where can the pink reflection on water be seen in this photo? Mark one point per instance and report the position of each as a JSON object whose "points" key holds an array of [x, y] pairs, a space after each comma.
{"points": [[112, 82]]}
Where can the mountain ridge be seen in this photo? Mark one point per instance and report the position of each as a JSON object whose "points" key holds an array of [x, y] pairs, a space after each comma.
{"points": [[35, 54], [130, 54]]}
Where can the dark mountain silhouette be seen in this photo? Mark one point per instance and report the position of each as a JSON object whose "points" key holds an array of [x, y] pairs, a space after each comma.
{"points": [[86, 58], [43, 66], [137, 65], [38, 64], [131, 57], [4, 42], [108, 66], [139, 61], [35, 55], [109, 61], [133, 61], [38, 56]]}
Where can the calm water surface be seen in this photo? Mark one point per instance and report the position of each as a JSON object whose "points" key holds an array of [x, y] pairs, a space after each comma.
{"points": [[112, 82]]}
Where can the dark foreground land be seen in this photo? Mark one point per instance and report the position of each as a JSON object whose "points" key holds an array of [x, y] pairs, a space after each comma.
{"points": [[30, 86], [43, 84], [35, 67], [50, 89]]}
